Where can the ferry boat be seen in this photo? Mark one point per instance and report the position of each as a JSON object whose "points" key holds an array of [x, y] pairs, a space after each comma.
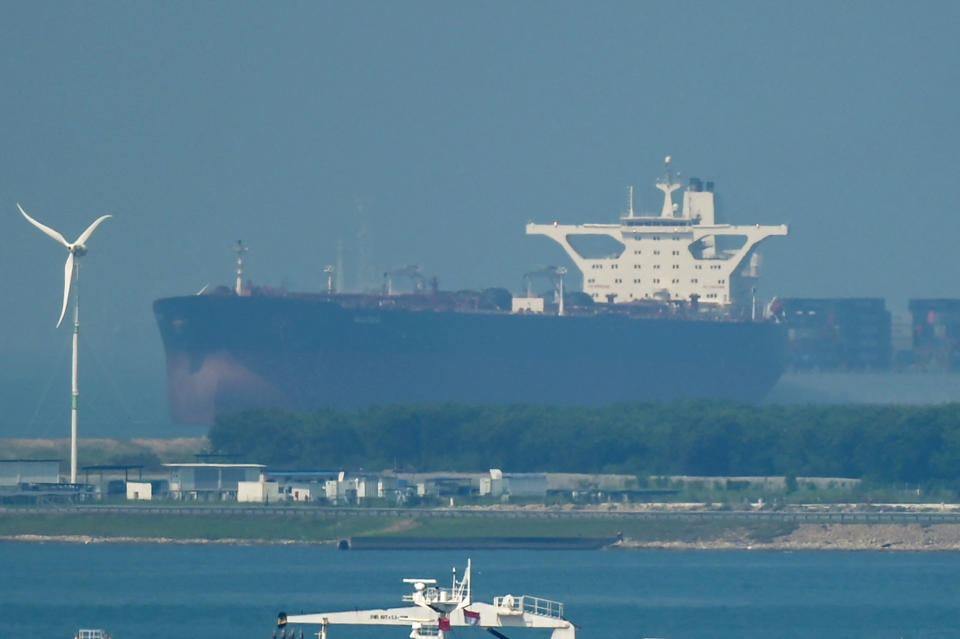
{"points": [[668, 311], [435, 611]]}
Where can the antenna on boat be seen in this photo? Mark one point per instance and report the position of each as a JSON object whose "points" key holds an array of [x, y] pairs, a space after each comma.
{"points": [[240, 250], [630, 203]]}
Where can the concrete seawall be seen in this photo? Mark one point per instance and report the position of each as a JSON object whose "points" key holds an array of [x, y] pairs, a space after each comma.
{"points": [[474, 543]]}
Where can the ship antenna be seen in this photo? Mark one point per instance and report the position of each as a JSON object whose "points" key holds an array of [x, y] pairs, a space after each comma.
{"points": [[240, 250], [630, 202]]}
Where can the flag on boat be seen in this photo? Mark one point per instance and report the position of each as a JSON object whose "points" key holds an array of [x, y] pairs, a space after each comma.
{"points": [[472, 618], [443, 623]]}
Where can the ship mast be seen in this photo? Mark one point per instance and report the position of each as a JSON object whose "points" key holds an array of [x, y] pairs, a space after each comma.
{"points": [[668, 186]]}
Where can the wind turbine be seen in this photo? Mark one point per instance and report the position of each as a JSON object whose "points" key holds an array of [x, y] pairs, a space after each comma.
{"points": [[76, 249]]}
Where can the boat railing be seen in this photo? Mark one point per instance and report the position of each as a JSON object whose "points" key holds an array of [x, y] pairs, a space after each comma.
{"points": [[87, 633], [432, 594], [426, 630], [528, 603]]}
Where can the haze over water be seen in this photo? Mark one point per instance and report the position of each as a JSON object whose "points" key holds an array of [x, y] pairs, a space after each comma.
{"points": [[430, 133]]}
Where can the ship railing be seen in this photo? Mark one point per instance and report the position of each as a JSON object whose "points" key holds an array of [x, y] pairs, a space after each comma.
{"points": [[528, 603]]}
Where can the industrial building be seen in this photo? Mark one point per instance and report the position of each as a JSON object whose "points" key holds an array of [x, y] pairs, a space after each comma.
{"points": [[210, 481]]}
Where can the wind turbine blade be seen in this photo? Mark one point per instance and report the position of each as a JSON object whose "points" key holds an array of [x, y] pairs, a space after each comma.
{"points": [[46, 229], [67, 279], [90, 229]]}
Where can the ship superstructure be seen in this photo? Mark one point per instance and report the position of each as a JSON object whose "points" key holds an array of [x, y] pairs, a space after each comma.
{"points": [[668, 318], [679, 254]]}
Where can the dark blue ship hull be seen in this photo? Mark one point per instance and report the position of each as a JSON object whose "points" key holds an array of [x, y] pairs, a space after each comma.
{"points": [[226, 353]]}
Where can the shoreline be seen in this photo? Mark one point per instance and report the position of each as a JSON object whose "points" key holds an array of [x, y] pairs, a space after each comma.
{"points": [[806, 537]]}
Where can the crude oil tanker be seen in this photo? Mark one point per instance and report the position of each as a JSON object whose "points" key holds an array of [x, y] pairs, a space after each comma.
{"points": [[668, 311]]}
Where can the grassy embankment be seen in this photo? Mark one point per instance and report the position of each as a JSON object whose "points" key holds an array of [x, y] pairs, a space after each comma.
{"points": [[332, 527]]}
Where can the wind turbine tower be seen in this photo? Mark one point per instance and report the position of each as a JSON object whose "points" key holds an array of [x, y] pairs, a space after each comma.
{"points": [[71, 272]]}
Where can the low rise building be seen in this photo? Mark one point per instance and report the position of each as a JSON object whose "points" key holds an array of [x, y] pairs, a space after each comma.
{"points": [[139, 491], [352, 489], [260, 492], [517, 485], [210, 480]]}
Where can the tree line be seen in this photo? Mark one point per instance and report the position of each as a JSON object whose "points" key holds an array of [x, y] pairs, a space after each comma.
{"points": [[886, 444]]}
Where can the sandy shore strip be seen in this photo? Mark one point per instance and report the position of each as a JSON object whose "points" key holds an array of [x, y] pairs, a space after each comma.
{"points": [[886, 537], [826, 537], [89, 539]]}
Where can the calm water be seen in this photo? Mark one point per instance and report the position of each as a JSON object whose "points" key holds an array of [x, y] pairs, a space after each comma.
{"points": [[47, 591]]}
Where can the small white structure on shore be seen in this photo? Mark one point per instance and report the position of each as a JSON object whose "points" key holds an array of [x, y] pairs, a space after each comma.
{"points": [[513, 484], [494, 486], [352, 489], [139, 491], [260, 492]]}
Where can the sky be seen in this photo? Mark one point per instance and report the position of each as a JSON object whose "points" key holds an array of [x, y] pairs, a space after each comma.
{"points": [[430, 133]]}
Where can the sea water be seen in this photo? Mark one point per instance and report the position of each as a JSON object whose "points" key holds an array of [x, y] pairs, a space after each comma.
{"points": [[49, 590]]}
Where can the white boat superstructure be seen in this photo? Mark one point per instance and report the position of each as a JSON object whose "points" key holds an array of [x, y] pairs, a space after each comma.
{"points": [[678, 254], [436, 611]]}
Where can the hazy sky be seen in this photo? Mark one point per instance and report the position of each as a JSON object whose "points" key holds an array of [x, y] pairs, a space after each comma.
{"points": [[435, 131]]}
